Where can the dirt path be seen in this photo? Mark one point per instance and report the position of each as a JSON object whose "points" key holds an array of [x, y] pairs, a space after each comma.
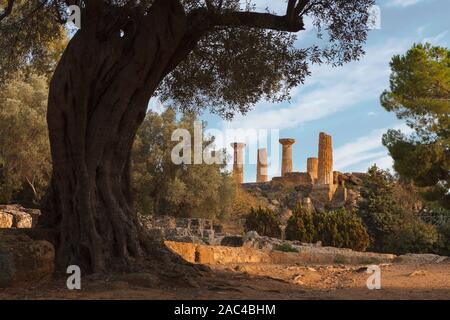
{"points": [[261, 281]]}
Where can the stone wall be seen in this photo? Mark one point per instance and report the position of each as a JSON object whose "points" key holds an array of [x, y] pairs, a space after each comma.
{"points": [[204, 254], [194, 230], [292, 179]]}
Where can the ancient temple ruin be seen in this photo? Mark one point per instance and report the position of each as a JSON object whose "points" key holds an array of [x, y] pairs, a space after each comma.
{"points": [[319, 184], [238, 161]]}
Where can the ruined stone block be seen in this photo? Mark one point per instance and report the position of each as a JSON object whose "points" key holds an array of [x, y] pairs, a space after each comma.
{"points": [[6, 220], [312, 168]]}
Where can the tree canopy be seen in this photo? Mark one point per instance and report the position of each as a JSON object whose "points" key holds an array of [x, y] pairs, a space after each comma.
{"points": [[24, 146], [420, 94], [230, 57], [161, 187]]}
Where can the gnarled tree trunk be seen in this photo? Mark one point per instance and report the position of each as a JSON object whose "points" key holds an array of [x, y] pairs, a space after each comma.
{"points": [[98, 98]]}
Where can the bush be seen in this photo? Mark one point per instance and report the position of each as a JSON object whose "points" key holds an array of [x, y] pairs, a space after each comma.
{"points": [[444, 239], [286, 247], [301, 226], [262, 221], [413, 237], [339, 228]]}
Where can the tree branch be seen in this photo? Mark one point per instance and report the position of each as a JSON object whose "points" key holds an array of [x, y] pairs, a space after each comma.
{"points": [[270, 21], [209, 5], [203, 20], [8, 10]]}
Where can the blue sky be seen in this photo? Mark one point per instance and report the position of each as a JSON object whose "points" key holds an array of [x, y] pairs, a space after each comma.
{"points": [[344, 101]]}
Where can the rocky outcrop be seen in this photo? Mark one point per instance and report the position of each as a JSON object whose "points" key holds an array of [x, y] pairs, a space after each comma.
{"points": [[16, 216], [298, 187], [24, 261]]}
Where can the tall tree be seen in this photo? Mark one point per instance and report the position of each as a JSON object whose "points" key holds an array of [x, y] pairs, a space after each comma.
{"points": [[24, 147], [161, 186], [198, 54], [420, 94]]}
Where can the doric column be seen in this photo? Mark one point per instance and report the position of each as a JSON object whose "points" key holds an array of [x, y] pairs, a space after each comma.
{"points": [[261, 168], [325, 167], [238, 161], [286, 162], [312, 168]]}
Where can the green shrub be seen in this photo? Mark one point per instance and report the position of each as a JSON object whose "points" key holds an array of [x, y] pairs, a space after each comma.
{"points": [[262, 221], [413, 237], [301, 226], [339, 228], [285, 247], [444, 239]]}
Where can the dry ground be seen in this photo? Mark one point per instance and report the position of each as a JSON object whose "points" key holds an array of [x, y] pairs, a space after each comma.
{"points": [[259, 281]]}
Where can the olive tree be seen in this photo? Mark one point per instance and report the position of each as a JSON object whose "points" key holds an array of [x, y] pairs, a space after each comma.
{"points": [[214, 54]]}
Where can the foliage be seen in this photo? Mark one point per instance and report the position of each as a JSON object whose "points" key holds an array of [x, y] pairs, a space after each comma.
{"points": [[378, 207], [412, 237], [394, 215], [339, 228], [420, 94], [31, 40], [262, 221], [444, 239], [233, 62], [24, 146], [162, 187], [285, 247], [302, 226], [243, 202]]}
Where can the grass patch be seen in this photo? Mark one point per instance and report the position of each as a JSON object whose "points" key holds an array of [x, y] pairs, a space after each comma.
{"points": [[286, 247]]}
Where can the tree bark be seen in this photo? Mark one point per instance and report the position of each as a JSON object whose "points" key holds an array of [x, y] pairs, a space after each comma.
{"points": [[98, 98]]}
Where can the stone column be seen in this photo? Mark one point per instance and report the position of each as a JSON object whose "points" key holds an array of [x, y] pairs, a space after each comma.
{"points": [[238, 161], [261, 169], [312, 167], [325, 166], [286, 164]]}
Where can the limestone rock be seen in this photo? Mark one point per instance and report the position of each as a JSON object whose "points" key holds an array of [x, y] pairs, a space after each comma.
{"points": [[253, 240], [6, 220], [24, 261], [23, 220], [21, 217]]}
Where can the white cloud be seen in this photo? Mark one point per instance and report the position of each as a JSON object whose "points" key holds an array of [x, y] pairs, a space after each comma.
{"points": [[365, 151], [436, 40], [385, 162], [403, 3], [327, 91]]}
